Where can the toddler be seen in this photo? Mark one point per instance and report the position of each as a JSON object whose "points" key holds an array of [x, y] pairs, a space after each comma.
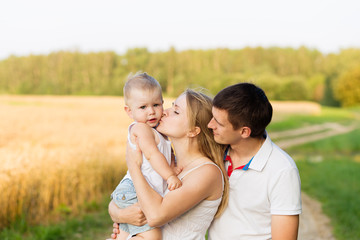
{"points": [[144, 104]]}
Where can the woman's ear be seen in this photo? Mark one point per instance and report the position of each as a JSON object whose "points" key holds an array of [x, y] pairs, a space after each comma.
{"points": [[194, 132]]}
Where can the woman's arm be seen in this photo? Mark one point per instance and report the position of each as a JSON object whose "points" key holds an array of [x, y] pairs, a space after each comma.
{"points": [[131, 214], [195, 188]]}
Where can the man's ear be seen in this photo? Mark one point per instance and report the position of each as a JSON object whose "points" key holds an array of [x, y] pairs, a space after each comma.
{"points": [[194, 132], [245, 132], [128, 111]]}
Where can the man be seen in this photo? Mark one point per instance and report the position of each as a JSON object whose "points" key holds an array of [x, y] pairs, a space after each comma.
{"points": [[264, 197]]}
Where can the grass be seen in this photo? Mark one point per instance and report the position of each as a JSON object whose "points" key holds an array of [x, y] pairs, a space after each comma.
{"points": [[329, 171], [328, 114], [92, 225], [335, 183], [344, 144]]}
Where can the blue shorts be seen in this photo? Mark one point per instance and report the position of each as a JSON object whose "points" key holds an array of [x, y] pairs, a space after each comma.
{"points": [[125, 195]]}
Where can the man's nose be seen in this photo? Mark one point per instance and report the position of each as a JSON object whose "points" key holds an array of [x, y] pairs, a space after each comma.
{"points": [[210, 124]]}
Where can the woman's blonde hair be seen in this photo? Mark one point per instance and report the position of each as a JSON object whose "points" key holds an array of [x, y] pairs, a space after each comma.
{"points": [[199, 107]]}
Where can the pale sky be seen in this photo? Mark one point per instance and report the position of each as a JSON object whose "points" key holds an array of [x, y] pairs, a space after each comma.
{"points": [[43, 26]]}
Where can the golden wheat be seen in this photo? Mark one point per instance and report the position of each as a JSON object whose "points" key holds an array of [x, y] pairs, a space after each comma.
{"points": [[57, 153]]}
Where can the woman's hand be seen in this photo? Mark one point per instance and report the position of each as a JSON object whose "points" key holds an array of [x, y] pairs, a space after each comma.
{"points": [[132, 214], [116, 231], [133, 156]]}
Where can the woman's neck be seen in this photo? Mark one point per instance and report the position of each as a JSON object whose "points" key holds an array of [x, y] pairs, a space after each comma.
{"points": [[186, 152]]}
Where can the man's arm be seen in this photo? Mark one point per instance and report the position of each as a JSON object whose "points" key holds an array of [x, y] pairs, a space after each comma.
{"points": [[285, 200], [284, 227]]}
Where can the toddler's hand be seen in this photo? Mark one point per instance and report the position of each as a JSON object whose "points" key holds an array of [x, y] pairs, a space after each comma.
{"points": [[177, 170], [173, 182]]}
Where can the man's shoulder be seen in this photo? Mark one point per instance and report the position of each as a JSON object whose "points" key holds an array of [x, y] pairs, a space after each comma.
{"points": [[280, 158]]}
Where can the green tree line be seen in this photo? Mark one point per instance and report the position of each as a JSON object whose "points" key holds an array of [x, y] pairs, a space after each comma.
{"points": [[284, 73]]}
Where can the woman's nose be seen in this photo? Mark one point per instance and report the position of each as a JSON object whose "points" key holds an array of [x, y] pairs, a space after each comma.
{"points": [[166, 112]]}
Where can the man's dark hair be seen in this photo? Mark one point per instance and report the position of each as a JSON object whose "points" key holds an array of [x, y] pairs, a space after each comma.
{"points": [[246, 105]]}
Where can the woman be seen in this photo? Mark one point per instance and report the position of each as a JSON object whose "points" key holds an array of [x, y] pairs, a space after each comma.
{"points": [[184, 213]]}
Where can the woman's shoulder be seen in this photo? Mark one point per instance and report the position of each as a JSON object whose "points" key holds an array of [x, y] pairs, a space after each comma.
{"points": [[209, 179], [210, 166], [206, 168]]}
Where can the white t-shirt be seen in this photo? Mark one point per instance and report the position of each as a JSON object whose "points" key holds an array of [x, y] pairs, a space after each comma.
{"points": [[271, 186]]}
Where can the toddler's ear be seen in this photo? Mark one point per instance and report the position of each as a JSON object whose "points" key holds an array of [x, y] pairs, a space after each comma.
{"points": [[128, 111]]}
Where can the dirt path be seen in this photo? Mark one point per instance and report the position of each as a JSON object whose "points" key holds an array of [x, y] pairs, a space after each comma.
{"points": [[314, 225], [313, 133]]}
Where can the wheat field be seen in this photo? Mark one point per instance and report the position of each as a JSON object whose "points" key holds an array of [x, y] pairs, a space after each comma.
{"points": [[59, 152]]}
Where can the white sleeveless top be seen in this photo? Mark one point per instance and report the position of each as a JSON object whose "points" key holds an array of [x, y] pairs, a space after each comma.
{"points": [[192, 225], [151, 176]]}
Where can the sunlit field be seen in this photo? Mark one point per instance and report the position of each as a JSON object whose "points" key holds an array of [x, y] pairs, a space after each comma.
{"points": [[57, 153], [61, 154]]}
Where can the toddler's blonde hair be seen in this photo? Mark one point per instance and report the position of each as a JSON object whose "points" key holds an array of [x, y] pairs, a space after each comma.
{"points": [[141, 81]]}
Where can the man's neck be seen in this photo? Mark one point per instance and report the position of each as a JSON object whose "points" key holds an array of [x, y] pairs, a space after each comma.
{"points": [[243, 151]]}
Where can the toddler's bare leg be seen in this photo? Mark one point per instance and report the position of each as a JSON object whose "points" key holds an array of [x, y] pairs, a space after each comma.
{"points": [[153, 234], [122, 235]]}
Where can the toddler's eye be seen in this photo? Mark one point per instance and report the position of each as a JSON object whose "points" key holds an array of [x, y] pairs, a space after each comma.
{"points": [[143, 107]]}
